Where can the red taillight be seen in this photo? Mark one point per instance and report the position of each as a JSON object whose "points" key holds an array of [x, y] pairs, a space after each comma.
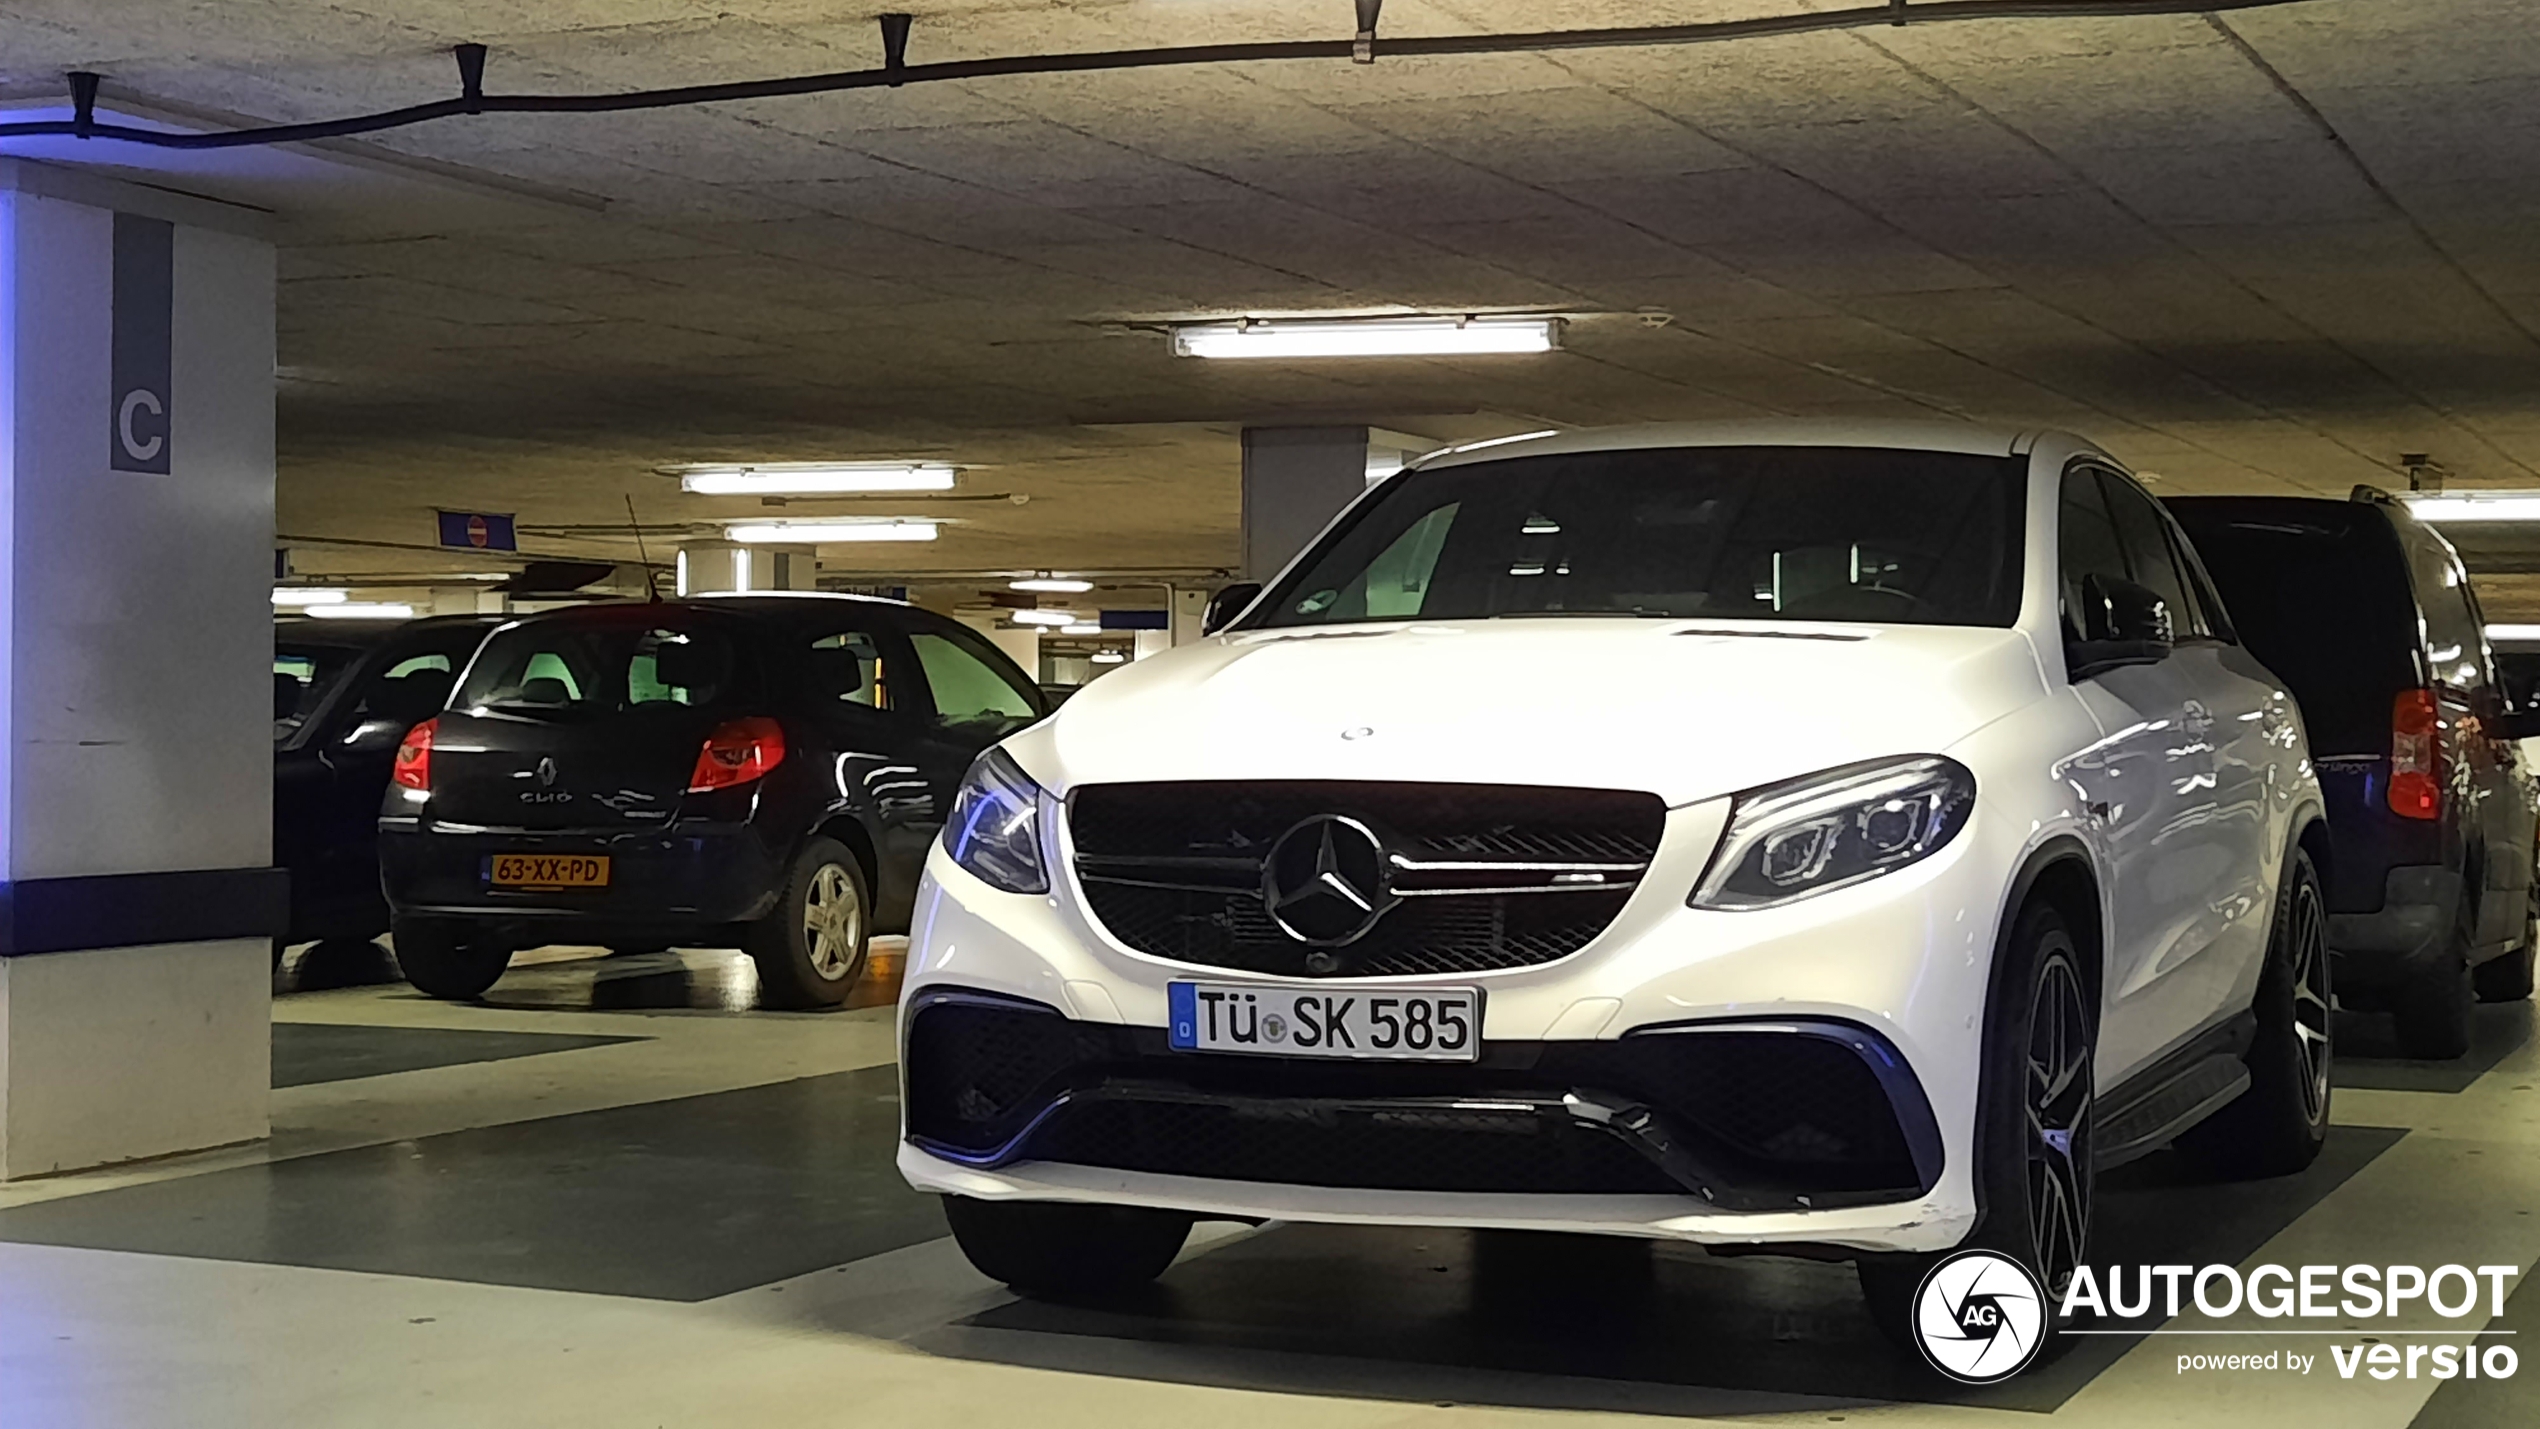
{"points": [[413, 768], [738, 751], [2416, 763]]}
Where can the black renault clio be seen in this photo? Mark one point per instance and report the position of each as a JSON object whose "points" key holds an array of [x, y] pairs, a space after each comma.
{"points": [[759, 771]]}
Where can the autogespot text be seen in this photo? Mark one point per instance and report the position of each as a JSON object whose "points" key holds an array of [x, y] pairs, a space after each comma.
{"points": [[2313, 1292]]}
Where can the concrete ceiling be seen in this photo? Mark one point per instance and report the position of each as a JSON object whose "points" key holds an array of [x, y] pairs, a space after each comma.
{"points": [[2267, 252]]}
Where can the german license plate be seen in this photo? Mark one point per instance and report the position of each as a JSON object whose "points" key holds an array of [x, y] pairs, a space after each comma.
{"points": [[547, 870], [1429, 1024]]}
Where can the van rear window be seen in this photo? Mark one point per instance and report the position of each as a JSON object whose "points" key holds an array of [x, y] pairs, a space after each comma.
{"points": [[595, 663], [2326, 606]]}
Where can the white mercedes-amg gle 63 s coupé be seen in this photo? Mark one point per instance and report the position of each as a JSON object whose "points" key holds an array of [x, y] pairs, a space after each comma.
{"points": [[1846, 838]]}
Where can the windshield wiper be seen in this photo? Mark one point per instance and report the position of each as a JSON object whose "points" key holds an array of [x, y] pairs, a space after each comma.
{"points": [[1637, 612]]}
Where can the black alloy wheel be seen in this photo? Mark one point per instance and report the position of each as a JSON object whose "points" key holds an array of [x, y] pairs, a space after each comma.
{"points": [[2034, 1134], [2058, 1105], [2277, 1124], [2307, 967]]}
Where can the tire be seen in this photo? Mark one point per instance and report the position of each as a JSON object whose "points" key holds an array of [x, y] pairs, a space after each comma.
{"points": [[2034, 1190], [440, 962], [2431, 1012], [1056, 1251], [812, 948], [2505, 979], [2278, 1125]]}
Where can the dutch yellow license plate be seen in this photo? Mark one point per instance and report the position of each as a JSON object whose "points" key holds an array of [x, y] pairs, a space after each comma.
{"points": [[544, 871]]}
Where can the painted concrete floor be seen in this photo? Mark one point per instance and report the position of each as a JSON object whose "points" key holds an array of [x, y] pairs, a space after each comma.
{"points": [[619, 1194]]}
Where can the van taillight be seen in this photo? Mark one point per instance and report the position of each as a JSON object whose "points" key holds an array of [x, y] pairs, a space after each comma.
{"points": [[413, 768], [739, 751], [2416, 760]]}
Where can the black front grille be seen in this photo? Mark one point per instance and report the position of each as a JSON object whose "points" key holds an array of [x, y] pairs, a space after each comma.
{"points": [[1387, 1150], [1770, 1113], [1175, 870]]}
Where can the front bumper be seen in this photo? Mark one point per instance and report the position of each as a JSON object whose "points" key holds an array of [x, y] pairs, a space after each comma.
{"points": [[1742, 1115], [691, 876], [1900, 966]]}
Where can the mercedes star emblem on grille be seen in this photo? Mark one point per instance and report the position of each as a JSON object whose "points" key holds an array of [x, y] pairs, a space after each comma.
{"points": [[1326, 881]]}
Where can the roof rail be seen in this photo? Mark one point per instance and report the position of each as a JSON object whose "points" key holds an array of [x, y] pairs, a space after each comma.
{"points": [[2373, 494]]}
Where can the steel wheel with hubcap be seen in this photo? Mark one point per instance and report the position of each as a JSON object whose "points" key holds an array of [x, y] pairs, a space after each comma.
{"points": [[812, 947]]}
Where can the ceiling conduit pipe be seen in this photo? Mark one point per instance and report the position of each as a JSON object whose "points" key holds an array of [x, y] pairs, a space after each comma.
{"points": [[897, 72]]}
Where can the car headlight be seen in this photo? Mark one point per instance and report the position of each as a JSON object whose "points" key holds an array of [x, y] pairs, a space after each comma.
{"points": [[995, 828], [1836, 828]]}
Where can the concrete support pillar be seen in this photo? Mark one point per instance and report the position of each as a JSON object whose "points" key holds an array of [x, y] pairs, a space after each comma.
{"points": [[136, 760], [708, 567], [1296, 479]]}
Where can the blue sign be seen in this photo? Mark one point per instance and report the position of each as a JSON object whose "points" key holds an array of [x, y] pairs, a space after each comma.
{"points": [[1137, 620], [478, 531]]}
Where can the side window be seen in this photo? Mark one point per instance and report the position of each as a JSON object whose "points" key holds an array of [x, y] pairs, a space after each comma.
{"points": [[971, 695], [2088, 546], [848, 668], [2212, 622], [2146, 538], [2454, 648]]}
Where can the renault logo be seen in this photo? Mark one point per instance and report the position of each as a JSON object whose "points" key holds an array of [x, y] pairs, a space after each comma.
{"points": [[1325, 881], [546, 772]]}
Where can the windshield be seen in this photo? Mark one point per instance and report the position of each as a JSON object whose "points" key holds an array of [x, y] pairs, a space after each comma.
{"points": [[605, 661], [1723, 533]]}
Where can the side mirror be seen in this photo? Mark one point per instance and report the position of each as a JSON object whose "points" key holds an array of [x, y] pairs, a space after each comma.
{"points": [[1224, 606], [2519, 723], [2122, 623]]}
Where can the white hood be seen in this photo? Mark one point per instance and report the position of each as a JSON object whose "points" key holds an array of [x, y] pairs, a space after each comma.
{"points": [[1683, 709]]}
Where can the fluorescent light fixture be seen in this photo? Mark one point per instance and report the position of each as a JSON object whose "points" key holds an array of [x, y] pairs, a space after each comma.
{"points": [[1054, 584], [2477, 506], [1367, 337], [824, 532], [1046, 617], [1087, 628], [2514, 634], [304, 596], [815, 478], [364, 610], [1110, 657]]}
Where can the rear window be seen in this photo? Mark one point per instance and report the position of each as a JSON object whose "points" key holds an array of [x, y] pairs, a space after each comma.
{"points": [[2323, 601], [599, 664]]}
